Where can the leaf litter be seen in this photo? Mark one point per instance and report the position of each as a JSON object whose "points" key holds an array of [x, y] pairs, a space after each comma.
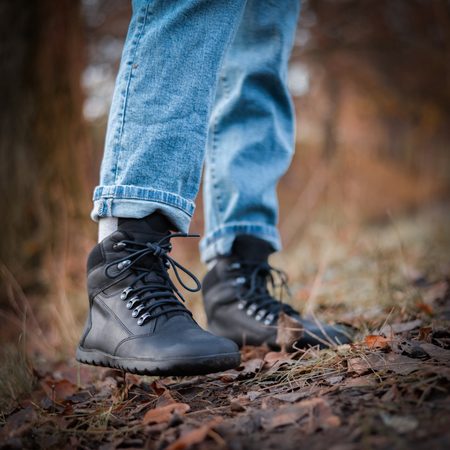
{"points": [[389, 389]]}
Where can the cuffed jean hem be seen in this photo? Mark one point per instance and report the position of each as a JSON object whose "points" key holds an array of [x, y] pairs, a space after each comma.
{"points": [[137, 202], [220, 241]]}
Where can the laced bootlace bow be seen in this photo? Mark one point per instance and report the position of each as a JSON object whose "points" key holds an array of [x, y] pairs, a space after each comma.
{"points": [[258, 291], [150, 296]]}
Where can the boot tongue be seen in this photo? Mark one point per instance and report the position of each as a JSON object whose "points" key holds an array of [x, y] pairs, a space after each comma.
{"points": [[251, 248], [152, 228], [149, 229]]}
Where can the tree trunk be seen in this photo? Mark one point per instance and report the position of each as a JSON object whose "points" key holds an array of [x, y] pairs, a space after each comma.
{"points": [[42, 140]]}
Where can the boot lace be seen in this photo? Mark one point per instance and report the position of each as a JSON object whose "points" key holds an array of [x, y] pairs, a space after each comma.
{"points": [[261, 290], [152, 297]]}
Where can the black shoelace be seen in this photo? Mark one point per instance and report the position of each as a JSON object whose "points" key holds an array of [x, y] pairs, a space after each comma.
{"points": [[153, 294], [258, 290]]}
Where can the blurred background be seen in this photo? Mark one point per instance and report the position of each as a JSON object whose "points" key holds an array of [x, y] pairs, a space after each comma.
{"points": [[364, 204]]}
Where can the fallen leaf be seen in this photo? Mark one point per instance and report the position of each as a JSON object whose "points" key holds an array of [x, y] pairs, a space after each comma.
{"points": [[165, 399], [334, 380], [424, 307], [289, 331], [317, 410], [401, 424], [164, 413], [284, 416], [397, 328], [229, 376], [253, 395], [437, 291], [378, 362], [274, 357], [250, 367], [365, 381], [252, 352], [411, 349], [290, 397], [425, 334], [441, 337], [437, 353], [195, 436], [235, 406], [158, 387], [18, 423], [58, 390], [375, 341]]}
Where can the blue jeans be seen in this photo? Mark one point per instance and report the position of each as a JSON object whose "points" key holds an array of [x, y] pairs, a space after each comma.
{"points": [[202, 80]]}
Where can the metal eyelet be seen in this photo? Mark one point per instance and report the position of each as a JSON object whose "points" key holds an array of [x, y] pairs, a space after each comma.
{"points": [[132, 302], [239, 281], [251, 309], [119, 246], [125, 293], [269, 319], [234, 266], [241, 305], [137, 310], [123, 264], [143, 319], [260, 314]]}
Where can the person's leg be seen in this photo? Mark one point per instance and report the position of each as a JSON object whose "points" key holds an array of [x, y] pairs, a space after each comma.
{"points": [[149, 179], [251, 134], [164, 93], [251, 142]]}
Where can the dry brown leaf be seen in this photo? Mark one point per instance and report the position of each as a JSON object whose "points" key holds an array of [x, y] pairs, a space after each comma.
{"points": [[436, 292], [164, 413], [165, 399], [284, 416], [236, 406], [290, 397], [289, 331], [316, 409], [375, 341], [438, 353], [195, 436], [365, 381], [378, 362], [401, 424], [253, 395], [424, 307], [18, 423], [397, 328], [158, 387], [277, 357], [58, 390], [250, 367], [425, 334]]}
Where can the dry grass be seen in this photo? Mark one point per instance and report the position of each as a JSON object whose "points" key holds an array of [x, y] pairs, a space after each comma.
{"points": [[16, 376]]}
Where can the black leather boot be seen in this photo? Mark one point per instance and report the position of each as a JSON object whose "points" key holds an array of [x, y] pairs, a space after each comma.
{"points": [[137, 321], [240, 306]]}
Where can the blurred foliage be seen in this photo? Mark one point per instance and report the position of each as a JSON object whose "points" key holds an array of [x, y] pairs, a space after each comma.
{"points": [[373, 129]]}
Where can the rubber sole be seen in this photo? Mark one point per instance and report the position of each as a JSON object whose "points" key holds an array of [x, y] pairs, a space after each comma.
{"points": [[199, 365]]}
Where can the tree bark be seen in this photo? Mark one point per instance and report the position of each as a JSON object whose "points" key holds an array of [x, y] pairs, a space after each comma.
{"points": [[42, 139]]}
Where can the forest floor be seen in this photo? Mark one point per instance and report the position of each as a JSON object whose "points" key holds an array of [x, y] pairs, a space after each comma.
{"points": [[390, 389]]}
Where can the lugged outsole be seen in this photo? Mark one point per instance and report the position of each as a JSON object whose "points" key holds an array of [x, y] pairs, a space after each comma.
{"points": [[169, 367]]}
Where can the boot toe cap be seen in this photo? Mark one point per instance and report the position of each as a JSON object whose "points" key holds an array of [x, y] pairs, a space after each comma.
{"points": [[192, 343]]}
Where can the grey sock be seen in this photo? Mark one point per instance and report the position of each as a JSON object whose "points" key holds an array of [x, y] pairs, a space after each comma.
{"points": [[106, 226]]}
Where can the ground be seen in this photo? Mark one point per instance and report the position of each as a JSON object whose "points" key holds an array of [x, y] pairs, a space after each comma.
{"points": [[387, 390]]}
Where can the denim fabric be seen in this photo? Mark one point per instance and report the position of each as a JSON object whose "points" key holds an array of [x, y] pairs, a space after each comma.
{"points": [[201, 76], [251, 132]]}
